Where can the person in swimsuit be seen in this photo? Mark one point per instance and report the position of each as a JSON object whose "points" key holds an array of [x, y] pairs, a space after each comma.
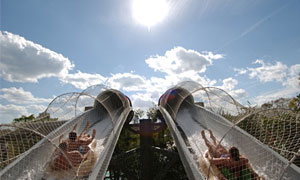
{"points": [[235, 166], [84, 141], [215, 149], [231, 163], [79, 143], [65, 160]]}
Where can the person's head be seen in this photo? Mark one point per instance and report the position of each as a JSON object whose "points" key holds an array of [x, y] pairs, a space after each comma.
{"points": [[72, 136], [234, 153], [63, 146]]}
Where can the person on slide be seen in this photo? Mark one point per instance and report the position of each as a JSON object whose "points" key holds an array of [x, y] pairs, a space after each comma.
{"points": [[215, 149], [61, 163], [232, 165], [81, 142], [85, 139]]}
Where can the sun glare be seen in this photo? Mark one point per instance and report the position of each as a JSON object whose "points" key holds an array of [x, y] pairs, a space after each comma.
{"points": [[149, 12]]}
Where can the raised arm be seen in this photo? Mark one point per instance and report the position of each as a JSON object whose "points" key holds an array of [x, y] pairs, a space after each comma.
{"points": [[85, 128], [94, 134], [89, 139], [60, 139], [74, 128]]}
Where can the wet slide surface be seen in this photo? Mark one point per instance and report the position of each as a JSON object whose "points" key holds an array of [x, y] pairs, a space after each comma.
{"points": [[103, 128], [186, 130], [33, 164]]}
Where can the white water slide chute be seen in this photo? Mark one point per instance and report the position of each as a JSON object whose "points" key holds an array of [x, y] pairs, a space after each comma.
{"points": [[109, 111], [270, 144]]}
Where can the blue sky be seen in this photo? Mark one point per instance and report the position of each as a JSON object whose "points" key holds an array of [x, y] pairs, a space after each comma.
{"points": [[250, 48]]}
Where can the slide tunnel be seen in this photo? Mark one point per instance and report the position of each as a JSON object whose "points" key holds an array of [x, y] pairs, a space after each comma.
{"points": [[110, 111], [186, 118]]}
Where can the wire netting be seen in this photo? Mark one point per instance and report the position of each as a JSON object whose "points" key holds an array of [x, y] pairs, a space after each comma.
{"points": [[216, 128], [42, 148]]}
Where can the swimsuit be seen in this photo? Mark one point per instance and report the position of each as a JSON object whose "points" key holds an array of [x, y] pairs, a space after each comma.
{"points": [[81, 149], [224, 155], [245, 174]]}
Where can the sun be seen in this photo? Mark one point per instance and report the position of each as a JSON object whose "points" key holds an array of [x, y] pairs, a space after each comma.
{"points": [[149, 12]]}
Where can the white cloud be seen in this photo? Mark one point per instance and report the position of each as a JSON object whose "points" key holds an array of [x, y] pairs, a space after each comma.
{"points": [[292, 80], [150, 96], [83, 80], [190, 76], [19, 96], [229, 85], [239, 94], [10, 111], [154, 87], [128, 82], [179, 65], [286, 92], [25, 61], [268, 72], [35, 109], [22, 103], [179, 60], [295, 70], [142, 101], [240, 71], [160, 84]]}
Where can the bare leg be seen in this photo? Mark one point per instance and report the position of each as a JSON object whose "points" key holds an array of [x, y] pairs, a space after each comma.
{"points": [[221, 149], [211, 147], [213, 137]]}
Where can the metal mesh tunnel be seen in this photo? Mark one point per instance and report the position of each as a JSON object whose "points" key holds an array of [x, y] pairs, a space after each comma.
{"points": [[109, 111], [258, 137]]}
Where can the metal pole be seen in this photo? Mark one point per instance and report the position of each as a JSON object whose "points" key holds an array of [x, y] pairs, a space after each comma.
{"points": [[145, 151]]}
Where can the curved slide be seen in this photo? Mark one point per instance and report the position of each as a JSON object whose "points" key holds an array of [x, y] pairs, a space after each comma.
{"points": [[111, 110], [186, 120]]}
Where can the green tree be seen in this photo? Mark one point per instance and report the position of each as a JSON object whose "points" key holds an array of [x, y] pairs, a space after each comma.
{"points": [[24, 118], [126, 160], [138, 114], [152, 112], [267, 105], [294, 103]]}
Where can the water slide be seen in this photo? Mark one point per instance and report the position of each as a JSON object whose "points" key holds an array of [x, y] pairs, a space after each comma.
{"points": [[186, 119], [110, 111]]}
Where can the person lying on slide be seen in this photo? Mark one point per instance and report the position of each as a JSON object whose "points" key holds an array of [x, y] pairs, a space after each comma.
{"points": [[71, 141], [231, 163], [215, 149], [85, 139], [80, 142], [61, 163]]}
